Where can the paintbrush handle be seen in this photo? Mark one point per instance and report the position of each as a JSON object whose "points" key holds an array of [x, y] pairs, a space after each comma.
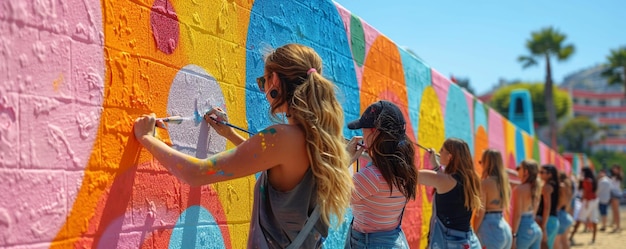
{"points": [[232, 126]]}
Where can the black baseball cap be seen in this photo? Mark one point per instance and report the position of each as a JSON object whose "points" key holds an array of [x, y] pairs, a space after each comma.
{"points": [[371, 114]]}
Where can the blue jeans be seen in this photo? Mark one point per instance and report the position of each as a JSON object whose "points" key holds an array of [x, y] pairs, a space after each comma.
{"points": [[388, 239], [494, 232], [553, 229], [565, 221], [442, 237], [528, 233]]}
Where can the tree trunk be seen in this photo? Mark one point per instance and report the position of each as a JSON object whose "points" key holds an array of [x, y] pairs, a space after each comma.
{"points": [[551, 111]]}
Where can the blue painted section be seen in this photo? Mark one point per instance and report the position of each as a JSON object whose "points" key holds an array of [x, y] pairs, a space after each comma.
{"points": [[480, 117], [417, 76], [196, 228], [521, 110], [457, 120], [313, 23], [337, 234], [520, 149]]}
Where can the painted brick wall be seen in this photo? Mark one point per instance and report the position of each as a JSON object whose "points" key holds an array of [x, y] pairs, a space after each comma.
{"points": [[74, 75]]}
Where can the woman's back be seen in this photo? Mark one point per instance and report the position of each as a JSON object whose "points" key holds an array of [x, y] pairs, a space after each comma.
{"points": [[375, 206], [524, 195], [493, 194]]}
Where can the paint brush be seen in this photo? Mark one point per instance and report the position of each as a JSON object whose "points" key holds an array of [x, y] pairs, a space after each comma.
{"points": [[172, 119], [231, 125]]}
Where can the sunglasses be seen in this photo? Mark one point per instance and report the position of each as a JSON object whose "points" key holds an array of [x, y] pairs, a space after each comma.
{"points": [[261, 82]]}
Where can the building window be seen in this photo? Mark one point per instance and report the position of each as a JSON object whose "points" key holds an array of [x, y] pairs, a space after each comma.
{"points": [[587, 102], [602, 102]]}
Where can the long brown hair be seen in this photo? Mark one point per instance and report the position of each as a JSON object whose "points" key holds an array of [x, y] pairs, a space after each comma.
{"points": [[311, 102], [532, 169], [492, 161], [461, 164], [393, 154]]}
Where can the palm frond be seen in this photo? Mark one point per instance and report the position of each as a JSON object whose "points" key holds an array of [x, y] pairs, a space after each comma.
{"points": [[527, 61]]}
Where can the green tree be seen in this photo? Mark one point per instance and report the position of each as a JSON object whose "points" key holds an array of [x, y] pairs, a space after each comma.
{"points": [[616, 73], [577, 133], [501, 99], [544, 44], [606, 159]]}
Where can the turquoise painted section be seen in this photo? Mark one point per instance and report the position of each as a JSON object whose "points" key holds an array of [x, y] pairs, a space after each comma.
{"points": [[457, 117], [417, 77], [480, 116], [196, 228], [337, 234], [520, 149], [285, 22], [521, 110]]}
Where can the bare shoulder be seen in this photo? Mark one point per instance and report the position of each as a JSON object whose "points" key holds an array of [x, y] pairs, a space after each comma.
{"points": [[522, 188], [283, 133]]}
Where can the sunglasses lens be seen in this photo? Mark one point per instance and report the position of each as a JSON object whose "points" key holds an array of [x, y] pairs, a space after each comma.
{"points": [[261, 82]]}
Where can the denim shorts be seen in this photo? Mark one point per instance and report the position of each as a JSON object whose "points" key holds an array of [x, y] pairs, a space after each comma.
{"points": [[528, 234], [442, 237], [565, 221], [553, 229], [604, 209], [494, 232], [389, 239]]}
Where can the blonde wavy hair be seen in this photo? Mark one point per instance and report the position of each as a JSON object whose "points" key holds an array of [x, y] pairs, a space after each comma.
{"points": [[532, 169], [311, 101], [492, 161], [461, 163]]}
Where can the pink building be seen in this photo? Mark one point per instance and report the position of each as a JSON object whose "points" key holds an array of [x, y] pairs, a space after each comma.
{"points": [[608, 111]]}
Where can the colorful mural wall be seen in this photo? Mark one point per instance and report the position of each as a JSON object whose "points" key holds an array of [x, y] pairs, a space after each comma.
{"points": [[75, 74]]}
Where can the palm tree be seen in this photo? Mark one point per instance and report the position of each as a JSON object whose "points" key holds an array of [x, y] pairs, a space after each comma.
{"points": [[544, 44], [616, 74]]}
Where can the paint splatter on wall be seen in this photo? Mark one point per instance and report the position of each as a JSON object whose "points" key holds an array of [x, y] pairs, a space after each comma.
{"points": [[75, 74]]}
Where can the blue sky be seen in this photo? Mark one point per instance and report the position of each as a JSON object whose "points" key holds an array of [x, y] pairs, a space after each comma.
{"points": [[482, 39]]}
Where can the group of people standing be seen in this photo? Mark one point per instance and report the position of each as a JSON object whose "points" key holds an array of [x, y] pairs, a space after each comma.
{"points": [[306, 178]]}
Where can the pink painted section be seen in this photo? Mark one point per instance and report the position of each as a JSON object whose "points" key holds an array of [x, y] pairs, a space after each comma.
{"points": [[496, 133], [164, 22], [441, 84], [51, 92]]}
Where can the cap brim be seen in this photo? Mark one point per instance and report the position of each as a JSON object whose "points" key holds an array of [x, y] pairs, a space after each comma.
{"points": [[356, 124]]}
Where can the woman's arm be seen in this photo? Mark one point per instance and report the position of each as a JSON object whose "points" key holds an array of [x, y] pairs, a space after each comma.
{"points": [[480, 213], [516, 197], [440, 181], [261, 152], [546, 191]]}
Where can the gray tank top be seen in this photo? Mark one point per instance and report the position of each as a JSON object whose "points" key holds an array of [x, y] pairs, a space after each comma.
{"points": [[278, 217]]}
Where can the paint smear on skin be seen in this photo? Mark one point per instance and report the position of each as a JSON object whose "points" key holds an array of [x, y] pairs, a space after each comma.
{"points": [[262, 134], [209, 166], [268, 131]]}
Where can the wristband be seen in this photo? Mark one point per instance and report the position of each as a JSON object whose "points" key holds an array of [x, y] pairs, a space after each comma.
{"points": [[514, 235]]}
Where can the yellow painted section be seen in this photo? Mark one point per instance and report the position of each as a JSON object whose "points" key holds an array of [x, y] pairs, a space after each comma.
{"points": [[430, 134], [528, 145], [481, 143], [509, 133]]}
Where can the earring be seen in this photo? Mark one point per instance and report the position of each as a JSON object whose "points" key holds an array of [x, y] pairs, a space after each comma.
{"points": [[273, 93]]}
